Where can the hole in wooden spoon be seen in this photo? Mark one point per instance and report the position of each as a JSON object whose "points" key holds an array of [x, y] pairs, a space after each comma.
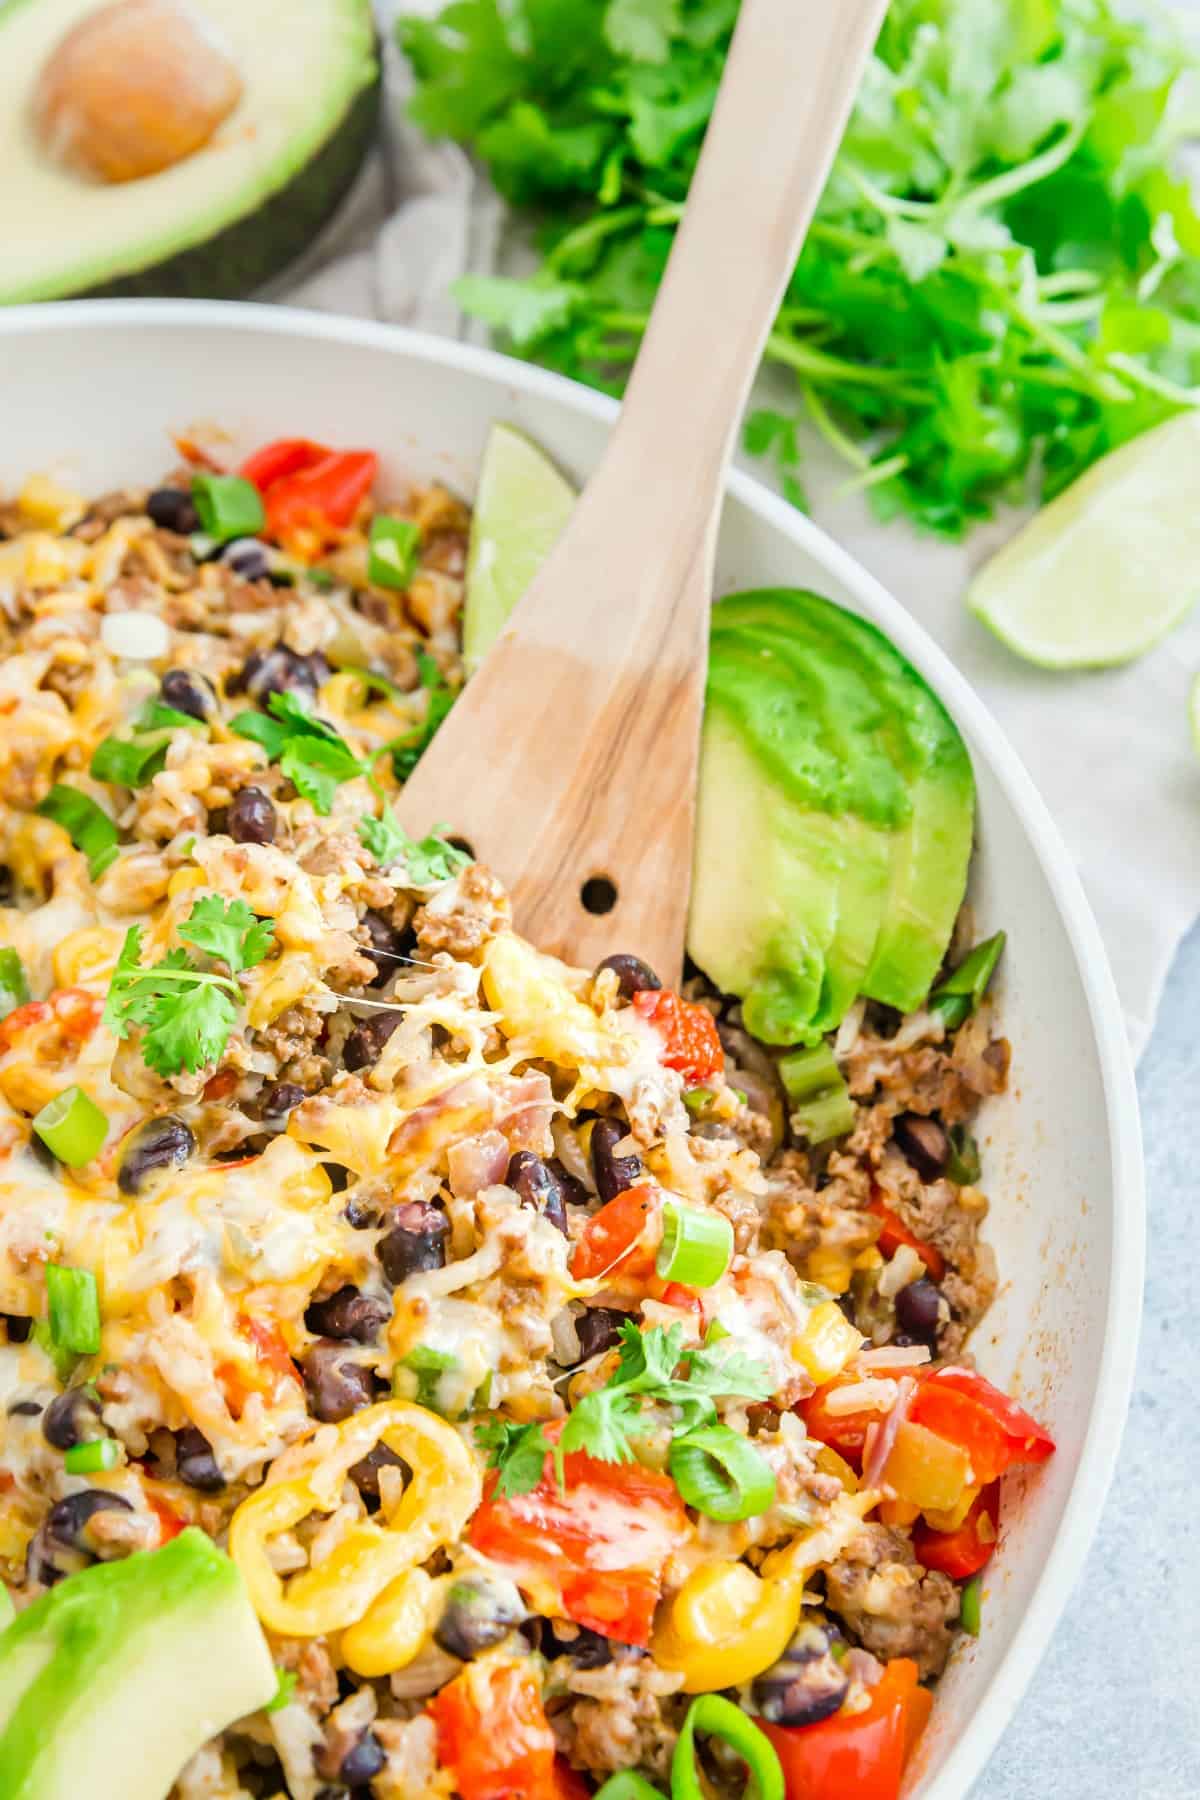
{"points": [[598, 894]]}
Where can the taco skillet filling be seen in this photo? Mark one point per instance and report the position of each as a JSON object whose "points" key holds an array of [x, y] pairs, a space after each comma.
{"points": [[539, 1353]]}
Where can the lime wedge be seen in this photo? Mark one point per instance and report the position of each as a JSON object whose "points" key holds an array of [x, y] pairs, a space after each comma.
{"points": [[1104, 571], [520, 509], [1194, 711]]}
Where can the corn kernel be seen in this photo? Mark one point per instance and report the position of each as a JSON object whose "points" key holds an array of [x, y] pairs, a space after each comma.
{"points": [[36, 845], [868, 1259], [830, 1463], [183, 880], [827, 1342], [831, 1269], [45, 502]]}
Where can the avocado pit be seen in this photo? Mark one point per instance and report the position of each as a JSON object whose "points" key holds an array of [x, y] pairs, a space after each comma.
{"points": [[133, 89]]}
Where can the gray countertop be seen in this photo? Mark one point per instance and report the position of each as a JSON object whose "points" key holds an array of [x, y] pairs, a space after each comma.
{"points": [[1114, 1709]]}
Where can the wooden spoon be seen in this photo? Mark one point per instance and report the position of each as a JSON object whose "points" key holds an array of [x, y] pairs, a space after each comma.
{"points": [[569, 763]]}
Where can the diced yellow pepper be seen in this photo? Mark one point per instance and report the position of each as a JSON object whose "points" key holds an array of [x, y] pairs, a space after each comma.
{"points": [[183, 880], [827, 1342], [898, 1513], [45, 502], [868, 1258], [952, 1518], [925, 1469], [830, 1463]]}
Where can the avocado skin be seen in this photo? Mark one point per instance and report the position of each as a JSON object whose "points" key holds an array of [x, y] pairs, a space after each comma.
{"points": [[261, 244]]}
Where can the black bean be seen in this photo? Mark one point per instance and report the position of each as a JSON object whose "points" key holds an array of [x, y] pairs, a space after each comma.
{"points": [[364, 1046], [479, 1614], [8, 885], [538, 1186], [612, 1174], [633, 975], [251, 817], [248, 558], [806, 1684], [188, 693], [172, 509], [359, 1214], [416, 1239], [67, 1520], [348, 1314], [387, 947], [918, 1310], [586, 1648], [573, 1190], [73, 1418], [25, 1409], [923, 1143], [363, 1761], [195, 1463], [598, 1329], [365, 1473], [280, 670], [165, 1142], [17, 1327], [336, 1385], [284, 1097]]}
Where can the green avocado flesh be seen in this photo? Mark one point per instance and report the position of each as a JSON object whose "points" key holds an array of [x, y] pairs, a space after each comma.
{"points": [[830, 716], [116, 1677], [233, 214]]}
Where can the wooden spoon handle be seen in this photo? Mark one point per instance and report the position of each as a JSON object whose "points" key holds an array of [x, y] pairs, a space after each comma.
{"points": [[571, 757], [788, 86]]}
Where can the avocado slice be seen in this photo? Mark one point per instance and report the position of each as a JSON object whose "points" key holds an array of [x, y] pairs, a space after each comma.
{"points": [[116, 1677], [226, 218], [932, 834]]}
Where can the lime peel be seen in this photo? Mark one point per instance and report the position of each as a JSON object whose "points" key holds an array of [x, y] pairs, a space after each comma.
{"points": [[521, 506]]}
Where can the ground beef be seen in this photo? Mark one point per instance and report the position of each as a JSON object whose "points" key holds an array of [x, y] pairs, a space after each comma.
{"points": [[889, 1604], [625, 1715], [463, 918]]}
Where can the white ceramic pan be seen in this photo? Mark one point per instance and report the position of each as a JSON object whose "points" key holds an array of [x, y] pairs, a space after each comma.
{"points": [[92, 390]]}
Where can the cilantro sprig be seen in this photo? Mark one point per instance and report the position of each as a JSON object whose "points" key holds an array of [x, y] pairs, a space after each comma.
{"points": [[316, 759], [1002, 280], [185, 1011], [653, 1367]]}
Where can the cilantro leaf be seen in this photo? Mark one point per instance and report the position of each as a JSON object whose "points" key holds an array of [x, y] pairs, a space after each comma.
{"points": [[518, 1451], [317, 767], [228, 931], [407, 754], [187, 1013], [427, 860], [272, 734]]}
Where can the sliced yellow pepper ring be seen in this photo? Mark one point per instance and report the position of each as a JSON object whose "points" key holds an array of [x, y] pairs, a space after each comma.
{"points": [[368, 1564], [394, 1626], [727, 1624]]}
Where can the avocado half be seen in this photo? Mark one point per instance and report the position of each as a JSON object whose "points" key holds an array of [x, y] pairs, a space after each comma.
{"points": [[234, 213]]}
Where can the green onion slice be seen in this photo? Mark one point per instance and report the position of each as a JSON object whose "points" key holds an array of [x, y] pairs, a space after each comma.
{"points": [[92, 1458], [963, 1164], [285, 1687], [970, 1615], [87, 825], [428, 1365], [628, 1786], [825, 1116], [957, 997], [392, 553], [71, 1126], [229, 507], [696, 1246], [720, 1474], [14, 989], [74, 1304], [721, 1718], [808, 1072]]}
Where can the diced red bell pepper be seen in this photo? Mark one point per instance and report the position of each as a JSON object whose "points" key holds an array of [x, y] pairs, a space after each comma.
{"points": [[602, 1541], [994, 1431], [75, 1015], [895, 1233], [962, 1553], [622, 1237], [322, 497], [688, 1032], [844, 1432], [493, 1736], [856, 1754], [169, 1522], [286, 456]]}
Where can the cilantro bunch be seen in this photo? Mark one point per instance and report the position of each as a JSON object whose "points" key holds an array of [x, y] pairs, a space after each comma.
{"points": [[1003, 278], [185, 1009], [652, 1367]]}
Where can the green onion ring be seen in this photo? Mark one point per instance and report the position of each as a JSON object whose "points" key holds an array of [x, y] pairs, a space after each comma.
{"points": [[696, 1246], [228, 506], [392, 552], [74, 1304], [627, 1786], [71, 1126], [721, 1718], [720, 1474], [970, 1615], [91, 1458]]}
